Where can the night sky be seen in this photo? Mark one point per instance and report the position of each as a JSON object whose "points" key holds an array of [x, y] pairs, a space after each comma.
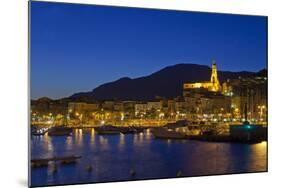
{"points": [[78, 47]]}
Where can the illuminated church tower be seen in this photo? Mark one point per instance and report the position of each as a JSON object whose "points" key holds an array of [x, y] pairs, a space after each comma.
{"points": [[214, 77], [213, 85]]}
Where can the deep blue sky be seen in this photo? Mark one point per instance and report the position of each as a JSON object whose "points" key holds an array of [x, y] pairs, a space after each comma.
{"points": [[78, 47]]}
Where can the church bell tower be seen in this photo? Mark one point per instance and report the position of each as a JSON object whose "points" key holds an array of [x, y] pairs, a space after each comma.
{"points": [[214, 77]]}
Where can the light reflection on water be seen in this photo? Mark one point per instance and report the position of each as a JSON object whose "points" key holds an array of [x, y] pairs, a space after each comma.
{"points": [[148, 134], [79, 137], [113, 156], [69, 143], [121, 141], [92, 135]]}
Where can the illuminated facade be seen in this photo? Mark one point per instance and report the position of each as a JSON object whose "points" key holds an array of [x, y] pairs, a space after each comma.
{"points": [[248, 91], [212, 85]]}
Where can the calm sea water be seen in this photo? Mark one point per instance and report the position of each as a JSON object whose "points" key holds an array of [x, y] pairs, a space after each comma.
{"points": [[112, 157]]}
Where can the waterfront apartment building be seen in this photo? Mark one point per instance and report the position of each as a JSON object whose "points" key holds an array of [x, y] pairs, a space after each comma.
{"points": [[250, 92], [44, 106], [81, 107], [108, 105], [141, 108], [208, 103], [154, 105]]}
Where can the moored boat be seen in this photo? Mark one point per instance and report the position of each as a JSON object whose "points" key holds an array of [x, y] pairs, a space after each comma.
{"points": [[39, 131], [177, 124], [60, 131], [164, 133], [107, 129], [130, 130]]}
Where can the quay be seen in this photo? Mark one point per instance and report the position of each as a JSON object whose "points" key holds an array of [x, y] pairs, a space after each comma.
{"points": [[225, 138]]}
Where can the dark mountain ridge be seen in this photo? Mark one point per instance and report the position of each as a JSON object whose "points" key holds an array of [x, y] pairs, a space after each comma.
{"points": [[168, 83]]}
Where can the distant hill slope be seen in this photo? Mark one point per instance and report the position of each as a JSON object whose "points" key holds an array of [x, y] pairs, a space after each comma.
{"points": [[168, 82]]}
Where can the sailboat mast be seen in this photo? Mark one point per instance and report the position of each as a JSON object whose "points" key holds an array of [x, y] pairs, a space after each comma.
{"points": [[246, 112]]}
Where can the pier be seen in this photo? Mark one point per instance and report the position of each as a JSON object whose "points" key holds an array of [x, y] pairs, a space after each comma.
{"points": [[44, 161]]}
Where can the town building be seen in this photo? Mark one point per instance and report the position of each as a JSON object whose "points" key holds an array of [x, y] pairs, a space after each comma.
{"points": [[81, 107], [108, 105], [250, 92], [141, 108], [45, 106], [154, 105]]}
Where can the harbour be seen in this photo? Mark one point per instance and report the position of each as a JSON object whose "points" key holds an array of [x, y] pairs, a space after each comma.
{"points": [[141, 155]]}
